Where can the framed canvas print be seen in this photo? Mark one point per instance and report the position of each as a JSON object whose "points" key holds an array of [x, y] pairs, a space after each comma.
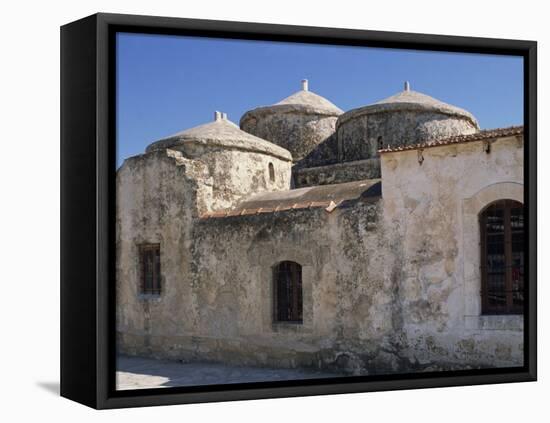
{"points": [[256, 211]]}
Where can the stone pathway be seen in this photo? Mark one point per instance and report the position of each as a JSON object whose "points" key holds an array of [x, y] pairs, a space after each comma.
{"points": [[140, 373]]}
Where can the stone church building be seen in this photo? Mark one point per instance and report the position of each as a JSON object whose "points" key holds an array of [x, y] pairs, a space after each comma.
{"points": [[387, 238]]}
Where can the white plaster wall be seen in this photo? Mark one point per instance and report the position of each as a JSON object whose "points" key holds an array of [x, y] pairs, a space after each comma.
{"points": [[431, 200]]}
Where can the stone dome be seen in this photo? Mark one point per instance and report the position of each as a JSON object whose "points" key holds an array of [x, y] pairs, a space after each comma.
{"points": [[218, 134], [304, 101], [298, 123], [408, 117]]}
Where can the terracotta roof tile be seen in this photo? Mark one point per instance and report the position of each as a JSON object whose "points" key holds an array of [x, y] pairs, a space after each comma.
{"points": [[478, 136], [234, 212], [326, 196]]}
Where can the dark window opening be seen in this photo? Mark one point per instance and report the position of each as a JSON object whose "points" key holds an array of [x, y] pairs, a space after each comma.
{"points": [[288, 292], [379, 143], [149, 257], [271, 172], [502, 258]]}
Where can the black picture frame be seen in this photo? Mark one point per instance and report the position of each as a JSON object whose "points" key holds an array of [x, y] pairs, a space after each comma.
{"points": [[87, 209]]}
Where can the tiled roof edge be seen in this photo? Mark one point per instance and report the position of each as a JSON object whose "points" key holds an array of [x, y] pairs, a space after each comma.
{"points": [[458, 139], [327, 205]]}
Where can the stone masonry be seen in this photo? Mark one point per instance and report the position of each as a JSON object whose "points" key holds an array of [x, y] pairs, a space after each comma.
{"points": [[378, 205]]}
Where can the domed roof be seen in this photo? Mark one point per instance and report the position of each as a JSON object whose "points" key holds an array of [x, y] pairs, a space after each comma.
{"points": [[303, 101], [220, 133], [408, 100]]}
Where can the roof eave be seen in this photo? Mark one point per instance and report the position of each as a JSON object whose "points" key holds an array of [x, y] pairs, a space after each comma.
{"points": [[489, 135], [405, 107], [289, 108], [174, 142]]}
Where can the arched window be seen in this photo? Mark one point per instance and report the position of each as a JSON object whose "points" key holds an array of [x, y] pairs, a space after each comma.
{"points": [[271, 172], [502, 257], [287, 292]]}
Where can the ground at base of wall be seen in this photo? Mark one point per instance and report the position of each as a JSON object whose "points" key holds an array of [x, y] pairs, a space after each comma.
{"points": [[142, 373]]}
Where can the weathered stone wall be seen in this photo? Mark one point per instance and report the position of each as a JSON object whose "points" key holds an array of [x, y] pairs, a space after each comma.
{"points": [[360, 137], [159, 197], [432, 200], [336, 173], [389, 285], [297, 132], [351, 153], [157, 201], [347, 287], [236, 174], [325, 153]]}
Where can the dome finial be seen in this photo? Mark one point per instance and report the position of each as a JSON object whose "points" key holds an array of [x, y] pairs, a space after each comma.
{"points": [[217, 116], [407, 86], [305, 85]]}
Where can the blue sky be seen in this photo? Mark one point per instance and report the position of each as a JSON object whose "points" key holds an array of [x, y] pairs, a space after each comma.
{"points": [[169, 83]]}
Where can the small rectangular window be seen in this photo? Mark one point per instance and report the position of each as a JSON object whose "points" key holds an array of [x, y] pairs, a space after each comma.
{"points": [[149, 257], [287, 296]]}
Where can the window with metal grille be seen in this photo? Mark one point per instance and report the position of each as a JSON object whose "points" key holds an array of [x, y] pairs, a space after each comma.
{"points": [[149, 258], [502, 258], [287, 290]]}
